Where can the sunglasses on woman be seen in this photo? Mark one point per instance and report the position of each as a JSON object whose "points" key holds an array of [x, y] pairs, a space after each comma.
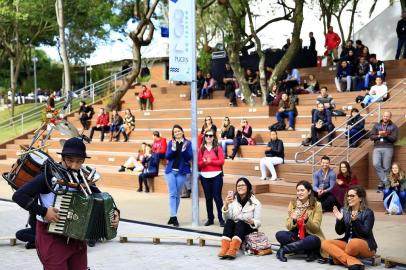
{"points": [[209, 135]]}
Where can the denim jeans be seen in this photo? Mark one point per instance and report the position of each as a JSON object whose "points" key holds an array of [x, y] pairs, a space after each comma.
{"points": [[401, 43], [224, 144], [355, 135], [212, 190], [280, 116], [371, 99], [382, 160], [347, 80], [175, 182], [369, 76]]}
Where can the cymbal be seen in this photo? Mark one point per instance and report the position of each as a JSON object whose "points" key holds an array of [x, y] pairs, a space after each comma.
{"points": [[67, 128]]}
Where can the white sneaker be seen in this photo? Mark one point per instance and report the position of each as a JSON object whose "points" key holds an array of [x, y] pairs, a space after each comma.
{"points": [[273, 178], [263, 178]]}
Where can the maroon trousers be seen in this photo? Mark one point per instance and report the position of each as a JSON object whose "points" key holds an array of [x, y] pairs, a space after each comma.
{"points": [[56, 254]]}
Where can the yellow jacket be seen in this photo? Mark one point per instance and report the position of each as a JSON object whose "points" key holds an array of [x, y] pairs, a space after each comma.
{"points": [[313, 223]]}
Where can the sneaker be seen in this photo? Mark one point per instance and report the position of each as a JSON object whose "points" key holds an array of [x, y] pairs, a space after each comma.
{"points": [[139, 190], [291, 128], [273, 178], [263, 178]]}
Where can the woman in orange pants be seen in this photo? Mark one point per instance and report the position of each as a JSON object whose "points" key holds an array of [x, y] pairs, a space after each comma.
{"points": [[356, 222]]}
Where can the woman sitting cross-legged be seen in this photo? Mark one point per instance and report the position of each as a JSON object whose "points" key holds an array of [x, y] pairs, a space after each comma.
{"points": [[304, 225], [274, 155], [150, 163], [210, 162], [242, 213], [396, 182], [356, 222], [287, 109]]}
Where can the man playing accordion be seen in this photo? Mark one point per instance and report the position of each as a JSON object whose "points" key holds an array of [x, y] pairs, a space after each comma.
{"points": [[57, 252]]}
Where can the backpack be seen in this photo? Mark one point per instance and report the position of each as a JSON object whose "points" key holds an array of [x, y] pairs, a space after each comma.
{"points": [[277, 126], [257, 243]]}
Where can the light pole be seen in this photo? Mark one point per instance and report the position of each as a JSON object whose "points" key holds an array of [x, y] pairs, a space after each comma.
{"points": [[85, 76], [35, 60], [90, 71]]}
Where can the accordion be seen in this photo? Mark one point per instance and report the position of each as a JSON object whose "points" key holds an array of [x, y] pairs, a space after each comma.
{"points": [[84, 217]]}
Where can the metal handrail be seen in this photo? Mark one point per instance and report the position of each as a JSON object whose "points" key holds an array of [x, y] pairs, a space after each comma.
{"points": [[96, 88], [366, 109], [108, 79]]}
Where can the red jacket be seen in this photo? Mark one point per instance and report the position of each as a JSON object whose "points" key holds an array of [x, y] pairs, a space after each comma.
{"points": [[216, 161], [159, 146], [146, 94], [332, 40], [103, 120]]}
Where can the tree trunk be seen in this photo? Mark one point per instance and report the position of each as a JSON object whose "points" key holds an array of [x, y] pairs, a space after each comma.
{"points": [[340, 26], [138, 39], [353, 10], [64, 54], [293, 48]]}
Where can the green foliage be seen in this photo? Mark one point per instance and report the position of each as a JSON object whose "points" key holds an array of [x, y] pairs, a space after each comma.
{"points": [[203, 61]]}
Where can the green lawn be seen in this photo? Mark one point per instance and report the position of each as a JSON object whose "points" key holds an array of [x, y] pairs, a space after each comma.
{"points": [[6, 114], [402, 142]]}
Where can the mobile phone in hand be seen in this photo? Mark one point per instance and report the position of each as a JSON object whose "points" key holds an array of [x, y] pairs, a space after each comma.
{"points": [[231, 193]]}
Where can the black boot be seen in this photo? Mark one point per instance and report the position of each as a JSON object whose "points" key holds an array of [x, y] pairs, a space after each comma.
{"points": [[289, 248], [122, 169], [356, 267], [312, 256], [278, 253], [139, 184], [125, 137], [175, 222], [170, 221]]}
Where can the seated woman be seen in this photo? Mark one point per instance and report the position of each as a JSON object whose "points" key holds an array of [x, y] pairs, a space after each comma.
{"points": [[355, 127], [208, 86], [128, 125], [86, 113], [115, 127], [311, 85], [378, 93], [208, 125], [145, 98], [274, 155], [253, 82], [133, 163], [345, 179], [242, 138], [304, 225], [396, 182], [227, 134], [356, 222], [274, 96], [242, 214], [287, 109], [150, 163]]}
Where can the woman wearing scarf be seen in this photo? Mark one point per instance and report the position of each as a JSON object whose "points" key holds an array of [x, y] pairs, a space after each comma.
{"points": [[304, 225], [242, 213]]}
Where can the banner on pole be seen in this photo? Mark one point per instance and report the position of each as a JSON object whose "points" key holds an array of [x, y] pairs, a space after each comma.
{"points": [[181, 43]]}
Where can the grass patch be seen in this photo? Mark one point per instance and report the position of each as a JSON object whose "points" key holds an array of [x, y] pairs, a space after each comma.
{"points": [[6, 114], [401, 142]]}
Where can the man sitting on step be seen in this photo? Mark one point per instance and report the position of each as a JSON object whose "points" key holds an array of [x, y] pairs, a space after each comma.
{"points": [[321, 121]]}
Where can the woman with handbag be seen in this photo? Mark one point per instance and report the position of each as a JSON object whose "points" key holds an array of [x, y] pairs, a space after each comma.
{"points": [[304, 225], [397, 183], [210, 162], [243, 137], [242, 213], [356, 222]]}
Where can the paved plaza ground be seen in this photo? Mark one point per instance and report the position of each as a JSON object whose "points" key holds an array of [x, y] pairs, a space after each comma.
{"points": [[142, 254]]}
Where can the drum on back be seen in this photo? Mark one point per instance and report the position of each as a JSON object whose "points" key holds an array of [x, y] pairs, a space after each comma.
{"points": [[26, 168]]}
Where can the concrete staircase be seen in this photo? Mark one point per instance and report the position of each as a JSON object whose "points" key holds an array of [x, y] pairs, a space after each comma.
{"points": [[173, 107]]}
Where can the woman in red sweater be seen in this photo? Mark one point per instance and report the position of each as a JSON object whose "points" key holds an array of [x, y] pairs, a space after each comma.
{"points": [[345, 179], [210, 162]]}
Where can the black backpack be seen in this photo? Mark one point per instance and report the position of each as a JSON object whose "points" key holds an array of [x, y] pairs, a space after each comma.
{"points": [[277, 126]]}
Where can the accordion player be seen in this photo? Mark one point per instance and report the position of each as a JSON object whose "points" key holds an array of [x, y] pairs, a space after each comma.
{"points": [[60, 250]]}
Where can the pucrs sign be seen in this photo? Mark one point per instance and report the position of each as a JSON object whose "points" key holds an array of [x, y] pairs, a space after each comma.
{"points": [[181, 40]]}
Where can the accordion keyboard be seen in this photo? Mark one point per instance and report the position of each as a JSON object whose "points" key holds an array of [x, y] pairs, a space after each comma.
{"points": [[62, 202]]}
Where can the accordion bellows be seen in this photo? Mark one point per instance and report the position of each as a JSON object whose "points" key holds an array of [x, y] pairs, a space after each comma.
{"points": [[84, 218]]}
